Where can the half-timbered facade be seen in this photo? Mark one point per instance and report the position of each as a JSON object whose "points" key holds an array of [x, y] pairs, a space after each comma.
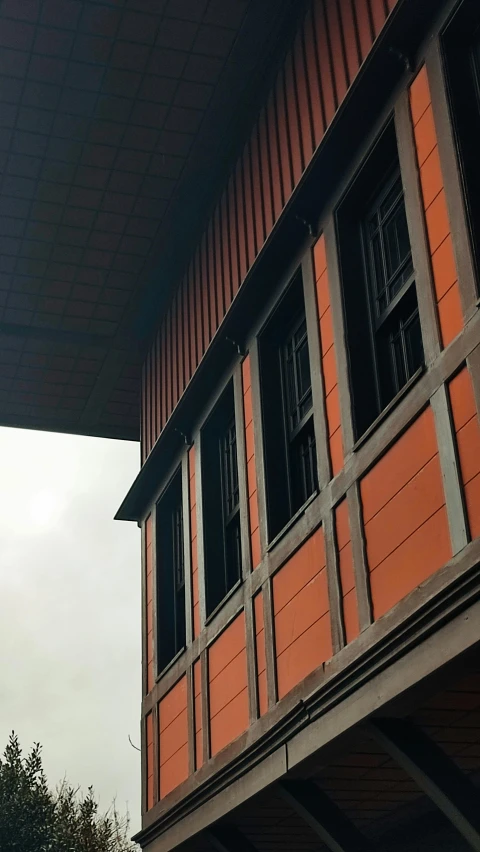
{"points": [[308, 330], [310, 431]]}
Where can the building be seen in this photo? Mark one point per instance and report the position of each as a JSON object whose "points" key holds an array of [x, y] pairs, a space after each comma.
{"points": [[262, 221]]}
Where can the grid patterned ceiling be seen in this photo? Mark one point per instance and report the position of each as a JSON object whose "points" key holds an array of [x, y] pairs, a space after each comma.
{"points": [[111, 113]]}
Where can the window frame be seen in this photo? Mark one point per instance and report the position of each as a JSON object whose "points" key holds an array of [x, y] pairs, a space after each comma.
{"points": [[211, 438], [380, 324], [168, 503], [370, 261], [373, 390], [278, 332]]}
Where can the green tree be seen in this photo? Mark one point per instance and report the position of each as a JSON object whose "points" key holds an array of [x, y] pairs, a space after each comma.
{"points": [[34, 818]]}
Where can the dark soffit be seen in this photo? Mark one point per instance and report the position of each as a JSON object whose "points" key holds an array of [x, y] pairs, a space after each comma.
{"points": [[118, 119]]}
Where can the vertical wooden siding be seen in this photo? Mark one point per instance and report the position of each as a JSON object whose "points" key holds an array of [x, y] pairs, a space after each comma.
{"points": [[194, 542], [251, 471], [228, 685], [301, 614], [260, 652], [197, 692], [347, 576], [173, 738], [334, 40], [438, 225], [149, 603], [329, 364], [467, 429], [406, 525]]}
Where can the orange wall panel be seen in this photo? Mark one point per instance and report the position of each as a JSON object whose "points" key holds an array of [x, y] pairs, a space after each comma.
{"points": [[228, 685], [309, 652], [260, 652], [326, 53], [251, 471], [173, 738], [329, 365], [406, 525], [420, 555], [467, 428], [301, 614], [194, 542], [405, 512], [197, 692], [311, 603], [436, 215], [149, 761], [347, 575], [149, 602], [405, 458]]}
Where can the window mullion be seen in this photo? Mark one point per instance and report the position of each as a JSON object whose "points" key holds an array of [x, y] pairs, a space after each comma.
{"points": [[224, 501]]}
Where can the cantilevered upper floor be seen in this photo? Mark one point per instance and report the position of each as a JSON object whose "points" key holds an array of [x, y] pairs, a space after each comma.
{"points": [[310, 488]]}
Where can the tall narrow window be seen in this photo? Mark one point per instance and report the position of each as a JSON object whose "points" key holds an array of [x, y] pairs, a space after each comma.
{"points": [[287, 409], [230, 504], [298, 415], [462, 56], [170, 574], [383, 327], [391, 283], [221, 502]]}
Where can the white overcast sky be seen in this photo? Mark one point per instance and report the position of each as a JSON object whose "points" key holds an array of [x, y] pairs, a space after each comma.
{"points": [[70, 610]]}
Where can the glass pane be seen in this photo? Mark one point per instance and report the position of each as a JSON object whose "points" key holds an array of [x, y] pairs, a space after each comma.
{"points": [[291, 390], [303, 465], [296, 369], [389, 248], [379, 271], [398, 359], [306, 404], [373, 224], [400, 280], [391, 198], [300, 333], [179, 619], [382, 302], [233, 554], [413, 341], [397, 243], [303, 369], [229, 470], [177, 548]]}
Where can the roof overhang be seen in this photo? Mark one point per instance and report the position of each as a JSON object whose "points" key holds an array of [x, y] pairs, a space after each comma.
{"points": [[119, 120]]}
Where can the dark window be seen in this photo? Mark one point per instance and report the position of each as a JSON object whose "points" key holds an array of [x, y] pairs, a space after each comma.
{"points": [[298, 414], [384, 335], [462, 55], [221, 502], [287, 409], [170, 574]]}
